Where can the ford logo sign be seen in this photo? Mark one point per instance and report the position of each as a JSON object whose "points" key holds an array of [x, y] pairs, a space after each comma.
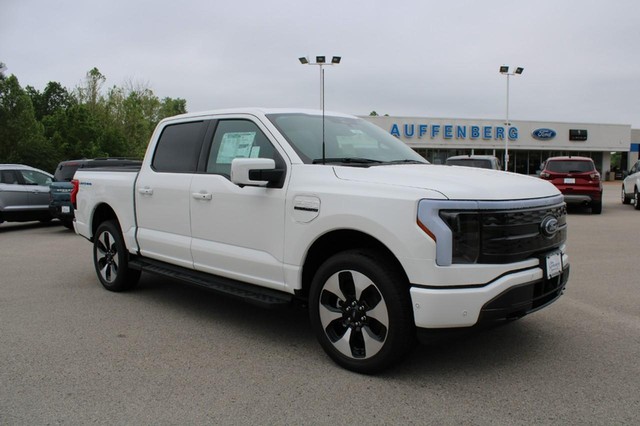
{"points": [[543, 134], [549, 226]]}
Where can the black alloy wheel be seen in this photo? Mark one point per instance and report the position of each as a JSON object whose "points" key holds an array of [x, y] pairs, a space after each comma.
{"points": [[361, 311], [110, 258]]}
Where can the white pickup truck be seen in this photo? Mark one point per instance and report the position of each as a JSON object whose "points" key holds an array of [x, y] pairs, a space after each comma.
{"points": [[278, 206]]}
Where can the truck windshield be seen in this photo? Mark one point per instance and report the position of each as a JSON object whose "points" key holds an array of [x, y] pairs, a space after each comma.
{"points": [[348, 141]]}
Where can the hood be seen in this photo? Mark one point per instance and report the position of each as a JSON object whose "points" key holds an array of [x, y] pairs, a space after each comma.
{"points": [[454, 182]]}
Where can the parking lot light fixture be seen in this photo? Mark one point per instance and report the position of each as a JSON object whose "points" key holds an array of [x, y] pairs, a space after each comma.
{"points": [[504, 70], [321, 62]]}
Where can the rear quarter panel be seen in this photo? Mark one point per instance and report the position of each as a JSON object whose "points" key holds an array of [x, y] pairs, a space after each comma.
{"points": [[113, 189]]}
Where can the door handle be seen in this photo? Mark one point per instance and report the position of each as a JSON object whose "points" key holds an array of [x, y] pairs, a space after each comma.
{"points": [[201, 196], [146, 190]]}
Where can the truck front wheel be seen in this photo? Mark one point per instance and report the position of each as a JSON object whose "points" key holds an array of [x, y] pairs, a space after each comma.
{"points": [[110, 258], [360, 310]]}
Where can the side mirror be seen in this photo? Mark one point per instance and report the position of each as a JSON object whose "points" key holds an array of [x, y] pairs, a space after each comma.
{"points": [[255, 171]]}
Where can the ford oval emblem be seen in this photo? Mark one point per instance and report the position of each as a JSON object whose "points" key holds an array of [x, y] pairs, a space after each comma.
{"points": [[543, 134], [549, 226]]}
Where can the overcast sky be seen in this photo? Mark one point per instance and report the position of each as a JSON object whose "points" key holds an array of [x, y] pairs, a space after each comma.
{"points": [[581, 58]]}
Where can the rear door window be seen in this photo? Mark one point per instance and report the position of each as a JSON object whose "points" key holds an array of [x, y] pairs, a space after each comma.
{"points": [[9, 177], [179, 147]]}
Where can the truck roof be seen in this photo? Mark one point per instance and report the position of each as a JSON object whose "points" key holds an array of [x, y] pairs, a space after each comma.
{"points": [[257, 111]]}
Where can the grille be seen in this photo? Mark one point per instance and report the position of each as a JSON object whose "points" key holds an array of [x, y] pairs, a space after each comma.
{"points": [[514, 235]]}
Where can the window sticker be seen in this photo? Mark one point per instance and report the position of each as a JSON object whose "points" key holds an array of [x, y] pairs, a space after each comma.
{"points": [[236, 145]]}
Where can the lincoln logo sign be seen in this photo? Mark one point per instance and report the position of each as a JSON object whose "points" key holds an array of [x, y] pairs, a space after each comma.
{"points": [[543, 134]]}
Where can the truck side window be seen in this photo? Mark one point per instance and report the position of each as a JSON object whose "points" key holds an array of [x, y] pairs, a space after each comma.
{"points": [[179, 147], [238, 139]]}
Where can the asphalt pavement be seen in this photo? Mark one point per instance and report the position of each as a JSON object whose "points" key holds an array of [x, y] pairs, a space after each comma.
{"points": [[165, 353]]}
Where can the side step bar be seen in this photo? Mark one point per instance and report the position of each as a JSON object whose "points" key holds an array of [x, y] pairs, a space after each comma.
{"points": [[264, 297]]}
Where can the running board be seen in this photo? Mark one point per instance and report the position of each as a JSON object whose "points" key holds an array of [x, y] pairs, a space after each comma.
{"points": [[264, 297]]}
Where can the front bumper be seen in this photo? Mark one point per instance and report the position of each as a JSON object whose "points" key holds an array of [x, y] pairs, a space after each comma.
{"points": [[511, 295]]}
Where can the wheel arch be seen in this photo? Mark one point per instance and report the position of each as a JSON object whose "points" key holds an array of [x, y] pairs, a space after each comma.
{"points": [[102, 213], [338, 241]]}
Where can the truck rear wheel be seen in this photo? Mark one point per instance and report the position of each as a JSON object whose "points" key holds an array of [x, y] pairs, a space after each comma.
{"points": [[360, 310], [110, 258]]}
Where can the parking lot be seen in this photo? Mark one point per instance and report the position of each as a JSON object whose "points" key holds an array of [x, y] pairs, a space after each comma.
{"points": [[74, 353]]}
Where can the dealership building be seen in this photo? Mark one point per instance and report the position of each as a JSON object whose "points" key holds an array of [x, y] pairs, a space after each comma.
{"points": [[528, 143]]}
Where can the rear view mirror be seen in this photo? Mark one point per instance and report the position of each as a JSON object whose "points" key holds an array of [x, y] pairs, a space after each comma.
{"points": [[255, 171]]}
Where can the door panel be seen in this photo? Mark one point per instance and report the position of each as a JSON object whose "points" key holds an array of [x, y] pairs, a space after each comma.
{"points": [[162, 209], [162, 194], [13, 195], [238, 232], [37, 187]]}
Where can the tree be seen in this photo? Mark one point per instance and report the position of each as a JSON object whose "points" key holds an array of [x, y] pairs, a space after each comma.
{"points": [[21, 135], [89, 93], [170, 107], [54, 97], [44, 128]]}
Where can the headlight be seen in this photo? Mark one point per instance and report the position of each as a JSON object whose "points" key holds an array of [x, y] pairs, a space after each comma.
{"points": [[465, 235]]}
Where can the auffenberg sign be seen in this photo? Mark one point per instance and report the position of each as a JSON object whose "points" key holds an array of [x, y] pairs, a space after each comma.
{"points": [[453, 131]]}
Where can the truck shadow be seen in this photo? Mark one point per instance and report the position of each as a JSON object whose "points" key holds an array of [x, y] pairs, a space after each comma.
{"points": [[487, 347], [290, 324]]}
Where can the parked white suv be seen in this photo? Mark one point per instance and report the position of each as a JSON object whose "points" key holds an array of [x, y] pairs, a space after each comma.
{"points": [[631, 186]]}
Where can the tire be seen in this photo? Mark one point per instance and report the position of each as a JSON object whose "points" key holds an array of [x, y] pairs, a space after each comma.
{"points": [[111, 259], [636, 199], [625, 199], [596, 207], [360, 310], [67, 223]]}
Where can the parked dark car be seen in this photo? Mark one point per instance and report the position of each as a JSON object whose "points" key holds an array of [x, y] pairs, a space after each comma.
{"points": [[577, 179], [60, 194], [24, 193]]}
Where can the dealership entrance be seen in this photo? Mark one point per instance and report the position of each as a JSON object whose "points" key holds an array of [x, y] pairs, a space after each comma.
{"points": [[530, 143]]}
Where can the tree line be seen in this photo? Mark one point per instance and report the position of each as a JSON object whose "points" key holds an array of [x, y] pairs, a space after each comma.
{"points": [[42, 128]]}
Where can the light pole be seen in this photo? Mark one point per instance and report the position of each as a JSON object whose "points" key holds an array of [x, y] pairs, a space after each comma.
{"points": [[321, 61], [504, 69]]}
